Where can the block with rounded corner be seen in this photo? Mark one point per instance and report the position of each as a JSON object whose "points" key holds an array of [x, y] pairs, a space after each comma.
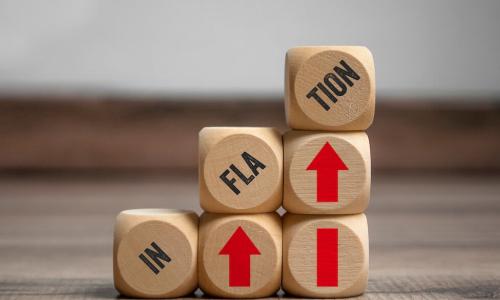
{"points": [[326, 173], [240, 256], [155, 253], [240, 169], [325, 256], [329, 88]]}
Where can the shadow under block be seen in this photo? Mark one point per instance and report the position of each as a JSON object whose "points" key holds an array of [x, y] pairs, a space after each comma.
{"points": [[240, 169], [329, 88], [326, 173], [155, 253], [325, 256], [240, 256]]}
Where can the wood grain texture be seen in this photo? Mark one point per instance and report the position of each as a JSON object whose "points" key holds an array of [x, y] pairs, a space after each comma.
{"points": [[240, 169], [432, 235], [329, 88], [263, 231], [155, 253], [301, 194], [301, 257]]}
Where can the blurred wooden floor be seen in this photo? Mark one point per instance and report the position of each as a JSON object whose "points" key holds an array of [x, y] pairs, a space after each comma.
{"points": [[85, 133], [431, 236]]}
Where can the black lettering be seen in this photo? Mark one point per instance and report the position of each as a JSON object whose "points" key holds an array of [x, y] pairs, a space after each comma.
{"points": [[253, 163], [328, 81], [327, 92], [149, 264], [313, 93], [229, 182], [241, 175], [346, 73], [157, 255]]}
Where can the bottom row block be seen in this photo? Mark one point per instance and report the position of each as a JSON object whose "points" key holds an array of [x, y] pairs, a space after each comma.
{"points": [[160, 253], [325, 256], [240, 255], [154, 253]]}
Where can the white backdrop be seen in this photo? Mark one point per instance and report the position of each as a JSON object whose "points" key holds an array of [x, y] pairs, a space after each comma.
{"points": [[422, 48]]}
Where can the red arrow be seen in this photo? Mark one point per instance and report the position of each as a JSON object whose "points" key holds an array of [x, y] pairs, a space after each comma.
{"points": [[239, 247], [327, 163]]}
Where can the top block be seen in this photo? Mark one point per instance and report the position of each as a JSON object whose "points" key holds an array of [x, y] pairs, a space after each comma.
{"points": [[240, 169], [329, 88]]}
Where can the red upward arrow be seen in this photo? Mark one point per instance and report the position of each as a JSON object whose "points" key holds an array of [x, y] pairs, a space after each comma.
{"points": [[239, 247], [327, 163]]}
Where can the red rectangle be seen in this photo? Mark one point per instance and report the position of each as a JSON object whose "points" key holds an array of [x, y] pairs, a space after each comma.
{"points": [[327, 257]]}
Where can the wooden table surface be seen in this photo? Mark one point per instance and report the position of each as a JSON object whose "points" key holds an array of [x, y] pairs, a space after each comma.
{"points": [[431, 236]]}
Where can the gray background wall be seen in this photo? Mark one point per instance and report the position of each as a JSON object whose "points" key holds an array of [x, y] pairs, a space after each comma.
{"points": [[422, 48]]}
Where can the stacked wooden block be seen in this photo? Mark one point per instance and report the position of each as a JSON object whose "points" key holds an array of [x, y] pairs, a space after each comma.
{"points": [[330, 90], [319, 171]]}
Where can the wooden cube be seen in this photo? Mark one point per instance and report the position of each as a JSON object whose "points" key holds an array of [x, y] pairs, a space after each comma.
{"points": [[325, 256], [329, 88], [240, 256], [155, 253], [326, 173], [240, 169]]}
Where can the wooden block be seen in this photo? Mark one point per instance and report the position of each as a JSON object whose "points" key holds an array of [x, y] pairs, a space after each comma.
{"points": [[240, 256], [155, 253], [325, 256], [240, 169], [329, 88], [326, 173]]}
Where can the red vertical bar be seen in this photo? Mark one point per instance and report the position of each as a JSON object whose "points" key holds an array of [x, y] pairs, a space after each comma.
{"points": [[327, 186], [327, 257]]}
